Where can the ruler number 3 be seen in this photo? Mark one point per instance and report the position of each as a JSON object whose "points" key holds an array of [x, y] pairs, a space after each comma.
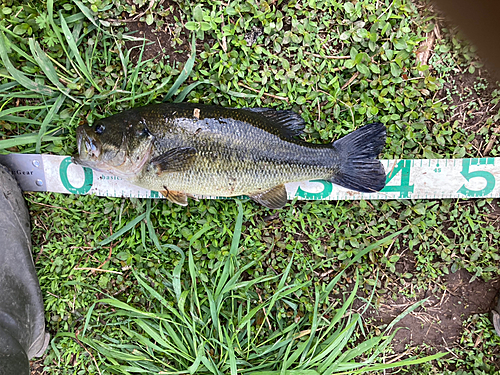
{"points": [[490, 179]]}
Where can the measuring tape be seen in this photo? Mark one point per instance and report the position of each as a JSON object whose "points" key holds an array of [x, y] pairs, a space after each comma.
{"points": [[406, 179]]}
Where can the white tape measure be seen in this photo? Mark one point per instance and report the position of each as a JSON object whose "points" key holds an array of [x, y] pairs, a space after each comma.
{"points": [[406, 179]]}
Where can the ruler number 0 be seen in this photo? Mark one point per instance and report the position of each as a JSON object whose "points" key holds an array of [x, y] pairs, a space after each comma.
{"points": [[63, 174], [490, 179]]}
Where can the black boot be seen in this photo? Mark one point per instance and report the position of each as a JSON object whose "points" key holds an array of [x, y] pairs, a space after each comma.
{"points": [[22, 322], [496, 315]]}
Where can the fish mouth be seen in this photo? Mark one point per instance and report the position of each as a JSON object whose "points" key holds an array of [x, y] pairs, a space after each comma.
{"points": [[89, 148]]}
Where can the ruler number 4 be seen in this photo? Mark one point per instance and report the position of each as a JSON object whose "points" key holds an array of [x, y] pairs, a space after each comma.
{"points": [[404, 188], [490, 179]]}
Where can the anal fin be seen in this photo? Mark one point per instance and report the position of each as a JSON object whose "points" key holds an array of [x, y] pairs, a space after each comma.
{"points": [[273, 198]]}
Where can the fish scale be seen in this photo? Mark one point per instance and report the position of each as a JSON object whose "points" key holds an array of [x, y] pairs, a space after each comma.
{"points": [[229, 167]]}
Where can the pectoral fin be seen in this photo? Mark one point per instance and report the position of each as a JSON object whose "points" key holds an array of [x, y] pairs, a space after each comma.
{"points": [[174, 160], [272, 198], [176, 197]]}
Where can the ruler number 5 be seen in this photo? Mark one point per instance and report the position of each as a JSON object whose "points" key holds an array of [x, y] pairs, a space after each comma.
{"points": [[490, 179]]}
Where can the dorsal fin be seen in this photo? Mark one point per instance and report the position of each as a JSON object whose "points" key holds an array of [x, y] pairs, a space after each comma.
{"points": [[288, 123]]}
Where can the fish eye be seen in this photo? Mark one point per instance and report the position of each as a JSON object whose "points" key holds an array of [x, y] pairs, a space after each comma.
{"points": [[99, 129]]}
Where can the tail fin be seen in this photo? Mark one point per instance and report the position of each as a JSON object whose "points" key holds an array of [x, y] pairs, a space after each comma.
{"points": [[359, 170]]}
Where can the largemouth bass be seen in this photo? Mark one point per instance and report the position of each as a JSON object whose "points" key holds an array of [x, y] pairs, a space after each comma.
{"points": [[189, 149]]}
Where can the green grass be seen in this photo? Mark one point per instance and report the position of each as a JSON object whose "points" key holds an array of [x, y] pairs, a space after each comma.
{"points": [[62, 64], [218, 327]]}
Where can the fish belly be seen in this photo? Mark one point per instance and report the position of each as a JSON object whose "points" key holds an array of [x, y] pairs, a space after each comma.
{"points": [[231, 181]]}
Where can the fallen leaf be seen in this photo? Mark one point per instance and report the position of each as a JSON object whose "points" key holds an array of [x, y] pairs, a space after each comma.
{"points": [[424, 50]]}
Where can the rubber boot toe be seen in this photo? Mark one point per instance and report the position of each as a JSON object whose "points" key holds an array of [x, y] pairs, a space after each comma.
{"points": [[21, 304]]}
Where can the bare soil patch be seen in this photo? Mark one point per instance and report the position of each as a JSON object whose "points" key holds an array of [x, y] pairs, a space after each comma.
{"points": [[472, 104], [470, 96], [494, 215], [163, 42], [439, 322], [159, 45]]}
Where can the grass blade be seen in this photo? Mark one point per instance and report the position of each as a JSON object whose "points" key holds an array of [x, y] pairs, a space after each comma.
{"points": [[314, 327], [43, 128], [372, 246], [87, 318], [48, 68], [23, 108], [22, 140], [186, 71], [176, 274], [86, 11], [123, 230], [104, 349], [199, 355], [17, 75], [160, 298], [403, 363], [6, 87], [287, 372], [285, 273], [404, 313], [20, 120], [179, 98], [173, 349], [73, 47], [124, 306], [328, 355], [228, 270], [151, 229], [230, 351]]}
